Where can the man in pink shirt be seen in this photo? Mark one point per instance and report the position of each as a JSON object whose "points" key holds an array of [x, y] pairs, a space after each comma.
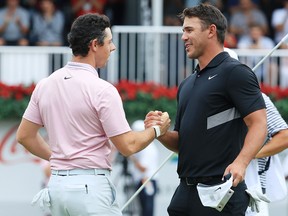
{"points": [[81, 113]]}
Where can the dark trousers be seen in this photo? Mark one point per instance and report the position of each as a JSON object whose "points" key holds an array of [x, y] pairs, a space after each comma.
{"points": [[186, 202], [147, 199]]}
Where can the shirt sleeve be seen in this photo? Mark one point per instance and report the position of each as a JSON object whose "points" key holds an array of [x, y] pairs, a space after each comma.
{"points": [[32, 112], [275, 122], [111, 112], [244, 91]]}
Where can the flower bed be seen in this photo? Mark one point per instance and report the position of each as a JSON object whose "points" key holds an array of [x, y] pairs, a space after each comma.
{"points": [[13, 100], [138, 99], [279, 97]]}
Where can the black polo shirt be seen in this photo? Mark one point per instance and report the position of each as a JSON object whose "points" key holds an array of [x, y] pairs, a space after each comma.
{"points": [[210, 115]]}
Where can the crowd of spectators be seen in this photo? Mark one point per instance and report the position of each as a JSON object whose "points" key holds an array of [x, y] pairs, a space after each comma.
{"points": [[46, 22], [270, 16], [252, 24]]}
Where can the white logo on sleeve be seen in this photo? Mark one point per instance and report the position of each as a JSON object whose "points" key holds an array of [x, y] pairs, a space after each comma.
{"points": [[211, 77]]}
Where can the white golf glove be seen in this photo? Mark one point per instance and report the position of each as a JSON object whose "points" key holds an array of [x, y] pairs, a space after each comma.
{"points": [[255, 198], [42, 198]]}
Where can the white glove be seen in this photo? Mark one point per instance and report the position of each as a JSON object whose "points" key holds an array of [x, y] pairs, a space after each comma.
{"points": [[255, 198], [42, 198]]}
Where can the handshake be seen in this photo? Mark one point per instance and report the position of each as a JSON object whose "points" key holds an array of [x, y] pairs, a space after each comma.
{"points": [[160, 121]]}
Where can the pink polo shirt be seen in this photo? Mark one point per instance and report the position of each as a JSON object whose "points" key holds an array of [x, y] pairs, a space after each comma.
{"points": [[79, 111]]}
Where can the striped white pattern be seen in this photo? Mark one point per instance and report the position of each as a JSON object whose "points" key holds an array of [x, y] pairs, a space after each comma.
{"points": [[275, 123], [222, 117]]}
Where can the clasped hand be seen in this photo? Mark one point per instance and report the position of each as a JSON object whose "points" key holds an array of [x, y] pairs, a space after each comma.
{"points": [[159, 118]]}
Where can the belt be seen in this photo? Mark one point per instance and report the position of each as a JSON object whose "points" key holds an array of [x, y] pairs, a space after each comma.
{"points": [[207, 179], [73, 172]]}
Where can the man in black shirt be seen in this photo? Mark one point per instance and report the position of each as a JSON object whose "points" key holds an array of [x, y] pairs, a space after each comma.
{"points": [[221, 117]]}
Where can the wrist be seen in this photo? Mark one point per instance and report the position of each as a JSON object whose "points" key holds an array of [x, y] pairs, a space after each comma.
{"points": [[156, 130]]}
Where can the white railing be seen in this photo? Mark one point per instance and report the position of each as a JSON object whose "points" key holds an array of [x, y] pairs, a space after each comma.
{"points": [[150, 53], [143, 53], [30, 64], [274, 70]]}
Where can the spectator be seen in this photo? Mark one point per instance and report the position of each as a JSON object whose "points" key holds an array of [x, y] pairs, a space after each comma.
{"points": [[48, 25], [171, 9], [81, 7], [257, 40], [217, 3], [279, 24], [230, 40], [244, 17], [233, 5], [115, 9], [192, 3], [30, 6], [14, 24], [65, 7]]}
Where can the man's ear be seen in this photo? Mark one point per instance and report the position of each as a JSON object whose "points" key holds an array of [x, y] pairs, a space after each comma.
{"points": [[213, 30], [94, 44]]}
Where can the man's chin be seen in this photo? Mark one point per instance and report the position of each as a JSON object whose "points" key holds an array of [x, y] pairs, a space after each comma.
{"points": [[191, 56]]}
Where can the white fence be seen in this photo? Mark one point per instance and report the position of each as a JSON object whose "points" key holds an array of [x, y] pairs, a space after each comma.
{"points": [[143, 53], [149, 53], [30, 64], [273, 71]]}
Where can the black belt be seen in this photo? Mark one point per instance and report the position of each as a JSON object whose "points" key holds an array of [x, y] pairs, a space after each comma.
{"points": [[207, 179]]}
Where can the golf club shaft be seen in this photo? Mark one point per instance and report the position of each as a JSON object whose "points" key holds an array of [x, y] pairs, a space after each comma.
{"points": [[270, 53], [147, 180]]}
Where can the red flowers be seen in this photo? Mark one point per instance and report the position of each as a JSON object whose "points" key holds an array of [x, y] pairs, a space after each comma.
{"points": [[275, 92], [14, 100], [138, 99], [128, 90], [17, 92]]}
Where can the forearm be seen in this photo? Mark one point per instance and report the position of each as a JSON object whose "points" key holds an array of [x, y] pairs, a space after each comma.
{"points": [[24, 29], [170, 140], [29, 137], [3, 27], [37, 146], [278, 143], [252, 143], [254, 140], [133, 141]]}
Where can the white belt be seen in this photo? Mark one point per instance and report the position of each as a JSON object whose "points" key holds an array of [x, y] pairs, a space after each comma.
{"points": [[80, 172]]}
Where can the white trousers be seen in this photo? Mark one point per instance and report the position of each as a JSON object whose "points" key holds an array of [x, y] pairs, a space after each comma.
{"points": [[82, 195]]}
